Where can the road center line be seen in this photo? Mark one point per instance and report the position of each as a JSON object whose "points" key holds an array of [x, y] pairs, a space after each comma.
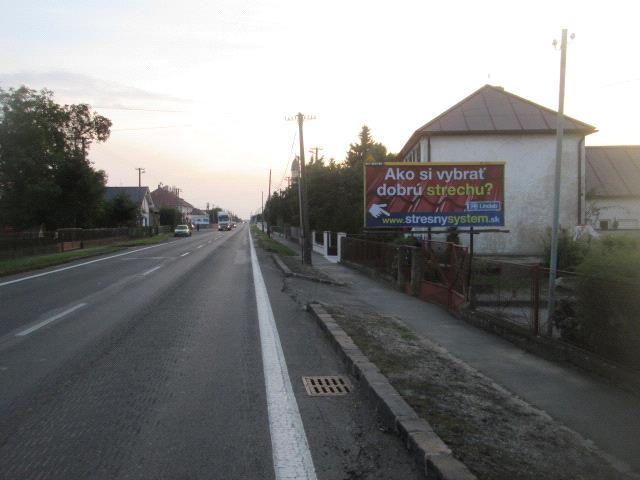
{"points": [[49, 320], [185, 254], [291, 455], [78, 265], [144, 274], [200, 246]]}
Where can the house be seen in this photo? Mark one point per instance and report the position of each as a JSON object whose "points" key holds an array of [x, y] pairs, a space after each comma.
{"points": [[165, 196], [493, 125], [613, 187], [141, 197]]}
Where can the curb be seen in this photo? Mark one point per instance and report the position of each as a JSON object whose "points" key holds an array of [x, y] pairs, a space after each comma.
{"points": [[430, 452], [280, 264], [288, 273]]}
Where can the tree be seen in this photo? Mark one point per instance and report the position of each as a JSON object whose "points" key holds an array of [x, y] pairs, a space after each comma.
{"points": [[170, 216], [335, 190], [367, 151], [45, 176], [121, 211]]}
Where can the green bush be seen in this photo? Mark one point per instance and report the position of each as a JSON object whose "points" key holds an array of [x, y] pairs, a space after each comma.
{"points": [[605, 316], [570, 252]]}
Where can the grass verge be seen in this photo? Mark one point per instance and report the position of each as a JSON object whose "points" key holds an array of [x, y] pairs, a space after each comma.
{"points": [[269, 244], [18, 265], [498, 436]]}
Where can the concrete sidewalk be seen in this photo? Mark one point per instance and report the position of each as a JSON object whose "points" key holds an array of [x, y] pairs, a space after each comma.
{"points": [[601, 413]]}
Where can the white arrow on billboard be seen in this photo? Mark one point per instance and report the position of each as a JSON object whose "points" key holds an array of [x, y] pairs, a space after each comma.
{"points": [[376, 210]]}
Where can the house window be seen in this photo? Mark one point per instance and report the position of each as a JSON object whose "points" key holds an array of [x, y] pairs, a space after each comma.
{"points": [[604, 224]]}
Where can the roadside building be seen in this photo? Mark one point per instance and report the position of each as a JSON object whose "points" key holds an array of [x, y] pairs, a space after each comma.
{"points": [[493, 125], [613, 187], [166, 196], [141, 197]]}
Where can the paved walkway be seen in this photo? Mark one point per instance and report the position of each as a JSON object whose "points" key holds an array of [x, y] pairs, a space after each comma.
{"points": [[608, 416]]}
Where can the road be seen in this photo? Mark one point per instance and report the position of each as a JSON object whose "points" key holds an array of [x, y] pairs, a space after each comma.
{"points": [[177, 360]]}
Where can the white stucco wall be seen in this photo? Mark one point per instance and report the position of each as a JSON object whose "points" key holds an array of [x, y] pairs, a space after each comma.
{"points": [[144, 213], [529, 184], [625, 210]]}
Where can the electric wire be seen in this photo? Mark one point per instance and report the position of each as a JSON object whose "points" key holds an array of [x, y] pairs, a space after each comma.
{"points": [[288, 164], [148, 128], [139, 109]]}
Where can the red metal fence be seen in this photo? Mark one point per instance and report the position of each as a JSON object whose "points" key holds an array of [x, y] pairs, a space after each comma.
{"points": [[445, 273], [379, 256], [597, 314]]}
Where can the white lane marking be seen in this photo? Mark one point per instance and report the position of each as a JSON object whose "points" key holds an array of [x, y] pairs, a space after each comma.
{"points": [[151, 271], [209, 241], [185, 254], [78, 265], [291, 455], [200, 246], [49, 320]]}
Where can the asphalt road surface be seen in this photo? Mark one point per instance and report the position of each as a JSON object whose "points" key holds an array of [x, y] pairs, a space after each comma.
{"points": [[180, 360]]}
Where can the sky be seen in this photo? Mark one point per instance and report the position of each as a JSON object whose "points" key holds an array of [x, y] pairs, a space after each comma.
{"points": [[199, 92]]}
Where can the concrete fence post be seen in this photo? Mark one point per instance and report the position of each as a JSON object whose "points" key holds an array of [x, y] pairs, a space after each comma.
{"points": [[327, 241], [341, 235], [400, 277], [417, 270]]}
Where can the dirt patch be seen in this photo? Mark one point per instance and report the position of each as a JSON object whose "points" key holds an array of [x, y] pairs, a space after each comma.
{"points": [[295, 265], [498, 436]]}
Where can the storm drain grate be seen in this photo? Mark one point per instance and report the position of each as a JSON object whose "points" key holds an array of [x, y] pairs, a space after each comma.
{"points": [[326, 386]]}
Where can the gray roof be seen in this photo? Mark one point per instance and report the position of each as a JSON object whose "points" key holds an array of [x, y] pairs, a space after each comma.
{"points": [[136, 194], [492, 110], [613, 171]]}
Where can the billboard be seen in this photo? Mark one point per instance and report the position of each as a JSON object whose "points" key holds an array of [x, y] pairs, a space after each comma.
{"points": [[438, 195]]}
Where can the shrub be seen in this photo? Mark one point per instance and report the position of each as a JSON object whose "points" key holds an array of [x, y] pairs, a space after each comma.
{"points": [[605, 317], [570, 252]]}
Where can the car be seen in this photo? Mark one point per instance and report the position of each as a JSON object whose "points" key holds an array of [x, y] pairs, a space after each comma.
{"points": [[182, 231]]}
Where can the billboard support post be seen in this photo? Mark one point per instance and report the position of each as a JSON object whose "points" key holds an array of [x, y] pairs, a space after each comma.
{"points": [[470, 267]]}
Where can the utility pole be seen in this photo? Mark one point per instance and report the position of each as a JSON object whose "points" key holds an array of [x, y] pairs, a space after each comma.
{"points": [[177, 190], [302, 189], [553, 263], [269, 198], [317, 155], [262, 209], [141, 170]]}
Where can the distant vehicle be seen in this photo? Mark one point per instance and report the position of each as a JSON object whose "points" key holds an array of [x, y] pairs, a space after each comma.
{"points": [[224, 221], [182, 231]]}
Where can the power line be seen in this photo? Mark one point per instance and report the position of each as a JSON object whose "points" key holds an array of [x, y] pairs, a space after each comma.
{"points": [[149, 128], [140, 109], [286, 168], [620, 82]]}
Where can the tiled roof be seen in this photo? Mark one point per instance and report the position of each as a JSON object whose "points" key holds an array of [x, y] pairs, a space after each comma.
{"points": [[163, 197], [136, 194], [613, 171], [492, 110]]}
